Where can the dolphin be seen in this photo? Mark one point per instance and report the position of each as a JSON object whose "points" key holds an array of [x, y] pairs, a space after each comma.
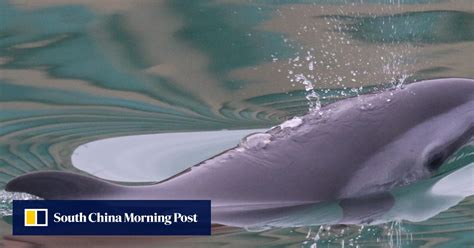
{"points": [[357, 148]]}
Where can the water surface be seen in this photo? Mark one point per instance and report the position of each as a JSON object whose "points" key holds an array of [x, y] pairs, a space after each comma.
{"points": [[73, 72]]}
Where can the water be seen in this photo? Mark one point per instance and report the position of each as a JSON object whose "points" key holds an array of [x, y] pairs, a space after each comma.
{"points": [[73, 72]]}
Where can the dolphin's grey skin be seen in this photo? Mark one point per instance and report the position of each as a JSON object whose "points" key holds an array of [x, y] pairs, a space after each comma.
{"points": [[352, 148]]}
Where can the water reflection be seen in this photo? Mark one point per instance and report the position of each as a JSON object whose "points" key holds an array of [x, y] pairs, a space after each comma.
{"points": [[78, 71]]}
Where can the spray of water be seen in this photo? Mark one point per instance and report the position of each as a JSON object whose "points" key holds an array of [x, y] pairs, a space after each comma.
{"points": [[339, 60], [7, 198], [391, 235]]}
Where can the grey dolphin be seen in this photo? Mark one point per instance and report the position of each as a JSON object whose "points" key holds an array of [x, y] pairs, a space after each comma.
{"points": [[350, 149]]}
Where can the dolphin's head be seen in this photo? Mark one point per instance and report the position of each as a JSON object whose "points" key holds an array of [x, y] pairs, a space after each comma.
{"points": [[449, 123], [422, 126]]}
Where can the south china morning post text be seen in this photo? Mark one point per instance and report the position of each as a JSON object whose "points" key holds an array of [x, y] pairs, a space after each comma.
{"points": [[114, 217], [97, 217]]}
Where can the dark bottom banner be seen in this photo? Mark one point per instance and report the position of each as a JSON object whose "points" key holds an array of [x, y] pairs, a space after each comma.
{"points": [[47, 217]]}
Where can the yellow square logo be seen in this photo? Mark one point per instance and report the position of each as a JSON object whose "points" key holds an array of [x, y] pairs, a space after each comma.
{"points": [[36, 217]]}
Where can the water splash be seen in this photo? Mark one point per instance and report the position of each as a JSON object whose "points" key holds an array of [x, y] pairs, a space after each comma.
{"points": [[7, 198], [338, 58], [392, 235], [255, 141], [292, 123], [314, 104], [299, 66]]}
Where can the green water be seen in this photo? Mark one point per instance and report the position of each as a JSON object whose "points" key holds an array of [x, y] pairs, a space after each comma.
{"points": [[77, 71]]}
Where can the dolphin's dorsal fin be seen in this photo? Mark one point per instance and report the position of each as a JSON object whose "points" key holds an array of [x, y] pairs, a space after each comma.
{"points": [[61, 185]]}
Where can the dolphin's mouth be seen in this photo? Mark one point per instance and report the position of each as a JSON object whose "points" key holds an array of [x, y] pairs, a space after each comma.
{"points": [[438, 159], [449, 163]]}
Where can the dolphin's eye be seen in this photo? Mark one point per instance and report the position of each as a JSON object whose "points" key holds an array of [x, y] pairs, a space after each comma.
{"points": [[435, 161]]}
